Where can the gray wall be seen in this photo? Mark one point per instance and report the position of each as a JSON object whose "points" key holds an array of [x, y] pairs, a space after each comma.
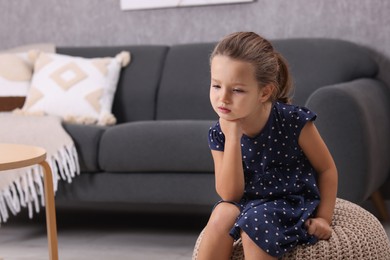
{"points": [[101, 22]]}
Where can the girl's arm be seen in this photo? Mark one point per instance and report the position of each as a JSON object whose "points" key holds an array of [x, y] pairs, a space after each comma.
{"points": [[229, 174], [319, 156]]}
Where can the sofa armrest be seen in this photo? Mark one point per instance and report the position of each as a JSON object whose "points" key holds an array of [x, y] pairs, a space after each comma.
{"points": [[87, 141], [354, 122]]}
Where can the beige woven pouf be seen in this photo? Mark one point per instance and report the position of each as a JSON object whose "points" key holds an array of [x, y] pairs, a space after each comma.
{"points": [[357, 234]]}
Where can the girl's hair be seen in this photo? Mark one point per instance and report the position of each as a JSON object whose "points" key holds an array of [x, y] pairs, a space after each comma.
{"points": [[270, 67]]}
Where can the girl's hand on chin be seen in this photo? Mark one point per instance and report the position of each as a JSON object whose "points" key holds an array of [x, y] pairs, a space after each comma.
{"points": [[231, 128]]}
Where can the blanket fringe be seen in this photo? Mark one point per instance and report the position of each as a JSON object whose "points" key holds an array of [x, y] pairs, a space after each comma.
{"points": [[28, 190]]}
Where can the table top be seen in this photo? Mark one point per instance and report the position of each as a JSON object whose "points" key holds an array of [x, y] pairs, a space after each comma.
{"points": [[13, 156]]}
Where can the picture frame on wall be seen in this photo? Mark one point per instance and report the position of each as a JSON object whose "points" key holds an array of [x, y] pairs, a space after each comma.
{"points": [[156, 4]]}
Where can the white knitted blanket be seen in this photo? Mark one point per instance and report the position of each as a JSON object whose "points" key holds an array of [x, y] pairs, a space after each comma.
{"points": [[24, 187]]}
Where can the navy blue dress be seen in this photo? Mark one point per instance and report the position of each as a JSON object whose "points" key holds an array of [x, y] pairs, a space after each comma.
{"points": [[280, 183]]}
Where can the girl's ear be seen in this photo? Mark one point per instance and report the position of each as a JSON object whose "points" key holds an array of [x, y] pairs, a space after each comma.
{"points": [[266, 92]]}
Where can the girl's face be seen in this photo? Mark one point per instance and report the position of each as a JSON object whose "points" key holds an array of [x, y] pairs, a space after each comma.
{"points": [[234, 92]]}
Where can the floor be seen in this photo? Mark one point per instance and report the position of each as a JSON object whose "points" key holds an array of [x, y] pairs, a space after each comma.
{"points": [[102, 235], [91, 234]]}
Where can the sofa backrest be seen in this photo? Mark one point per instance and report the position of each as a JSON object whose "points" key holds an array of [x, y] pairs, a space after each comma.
{"points": [[185, 83], [137, 87], [318, 62], [172, 83], [184, 89]]}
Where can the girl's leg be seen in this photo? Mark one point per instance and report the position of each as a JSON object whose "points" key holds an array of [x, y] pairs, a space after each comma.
{"points": [[216, 242], [253, 251]]}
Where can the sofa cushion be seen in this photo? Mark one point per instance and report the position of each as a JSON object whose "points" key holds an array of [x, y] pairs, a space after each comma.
{"points": [[136, 90], [156, 146], [184, 89], [87, 140]]}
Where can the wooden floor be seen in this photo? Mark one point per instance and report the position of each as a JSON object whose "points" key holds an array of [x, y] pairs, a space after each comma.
{"points": [[108, 235], [101, 236]]}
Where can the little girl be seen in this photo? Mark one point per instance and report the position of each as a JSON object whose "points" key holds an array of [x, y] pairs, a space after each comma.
{"points": [[275, 176]]}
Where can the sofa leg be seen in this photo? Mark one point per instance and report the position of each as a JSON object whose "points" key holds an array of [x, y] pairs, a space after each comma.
{"points": [[380, 205]]}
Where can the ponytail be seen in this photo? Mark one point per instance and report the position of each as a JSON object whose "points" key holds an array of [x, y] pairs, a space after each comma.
{"points": [[284, 81]]}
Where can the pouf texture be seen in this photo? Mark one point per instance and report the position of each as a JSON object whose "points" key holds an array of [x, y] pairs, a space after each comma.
{"points": [[357, 234]]}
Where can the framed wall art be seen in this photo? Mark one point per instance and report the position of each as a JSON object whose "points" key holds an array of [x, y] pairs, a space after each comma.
{"points": [[155, 4]]}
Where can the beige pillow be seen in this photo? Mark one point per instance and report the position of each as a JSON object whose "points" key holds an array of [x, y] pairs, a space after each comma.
{"points": [[15, 74], [80, 90]]}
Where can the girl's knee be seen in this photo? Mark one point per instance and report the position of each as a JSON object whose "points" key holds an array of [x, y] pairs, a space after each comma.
{"points": [[226, 211], [223, 217]]}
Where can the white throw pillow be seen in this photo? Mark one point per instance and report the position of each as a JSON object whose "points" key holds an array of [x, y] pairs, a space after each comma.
{"points": [[80, 90]]}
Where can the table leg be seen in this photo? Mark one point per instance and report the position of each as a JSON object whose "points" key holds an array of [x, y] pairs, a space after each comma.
{"points": [[50, 212]]}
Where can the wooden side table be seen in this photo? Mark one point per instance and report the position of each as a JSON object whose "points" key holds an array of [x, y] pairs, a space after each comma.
{"points": [[13, 156]]}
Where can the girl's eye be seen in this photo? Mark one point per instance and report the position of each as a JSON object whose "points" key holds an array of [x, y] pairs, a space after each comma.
{"points": [[216, 86], [237, 90]]}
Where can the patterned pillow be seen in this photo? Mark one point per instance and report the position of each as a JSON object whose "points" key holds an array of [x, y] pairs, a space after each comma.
{"points": [[80, 90], [15, 74]]}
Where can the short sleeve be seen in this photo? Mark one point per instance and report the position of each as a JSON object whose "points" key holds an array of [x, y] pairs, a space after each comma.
{"points": [[296, 117], [300, 116], [216, 138]]}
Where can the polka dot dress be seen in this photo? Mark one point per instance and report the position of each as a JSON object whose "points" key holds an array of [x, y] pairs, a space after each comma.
{"points": [[280, 183]]}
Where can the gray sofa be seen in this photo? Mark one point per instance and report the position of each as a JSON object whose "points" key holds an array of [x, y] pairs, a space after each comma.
{"points": [[156, 158]]}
